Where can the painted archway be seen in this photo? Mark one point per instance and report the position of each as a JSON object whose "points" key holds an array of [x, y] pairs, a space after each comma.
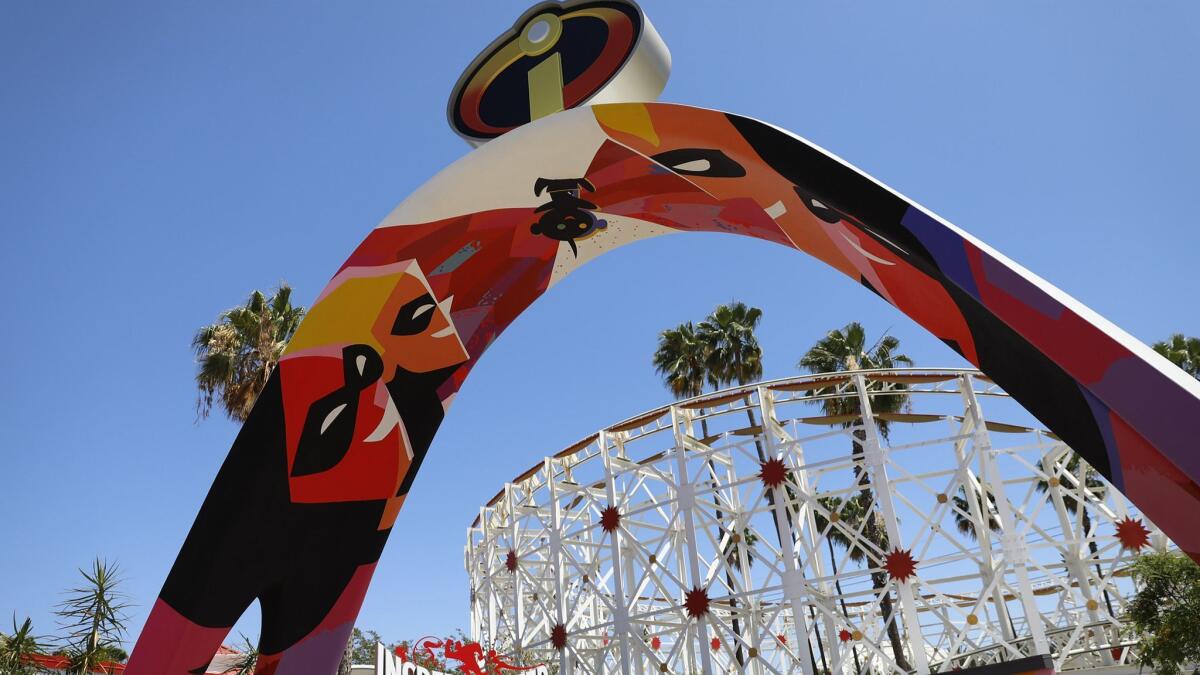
{"points": [[315, 479]]}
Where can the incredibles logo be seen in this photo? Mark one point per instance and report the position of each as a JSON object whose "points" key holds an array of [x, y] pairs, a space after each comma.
{"points": [[556, 57]]}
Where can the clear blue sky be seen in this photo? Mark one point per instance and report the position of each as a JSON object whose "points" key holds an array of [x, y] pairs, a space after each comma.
{"points": [[159, 160]]}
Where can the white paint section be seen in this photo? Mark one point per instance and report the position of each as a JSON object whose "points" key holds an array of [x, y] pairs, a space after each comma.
{"points": [[775, 210], [501, 173], [846, 243], [331, 417], [390, 420], [620, 231], [696, 165], [864, 253]]}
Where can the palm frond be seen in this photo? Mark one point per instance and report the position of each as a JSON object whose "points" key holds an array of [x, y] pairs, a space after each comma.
{"points": [[237, 353]]}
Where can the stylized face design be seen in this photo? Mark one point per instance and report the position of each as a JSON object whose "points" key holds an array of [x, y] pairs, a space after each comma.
{"points": [[720, 161], [389, 308], [375, 330], [414, 330], [733, 164]]}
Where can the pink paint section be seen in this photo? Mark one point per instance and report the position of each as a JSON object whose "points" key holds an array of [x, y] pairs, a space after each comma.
{"points": [[172, 645], [347, 273], [837, 234]]}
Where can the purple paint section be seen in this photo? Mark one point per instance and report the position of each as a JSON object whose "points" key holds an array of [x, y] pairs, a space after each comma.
{"points": [[945, 246], [1158, 409], [318, 654], [1018, 287], [1101, 413]]}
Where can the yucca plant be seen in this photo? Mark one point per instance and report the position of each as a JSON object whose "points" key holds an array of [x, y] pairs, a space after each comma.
{"points": [[93, 617], [17, 647], [247, 660]]}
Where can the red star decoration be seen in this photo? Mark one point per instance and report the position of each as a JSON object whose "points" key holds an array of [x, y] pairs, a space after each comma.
{"points": [[773, 472], [696, 602], [1116, 653], [510, 562], [782, 639], [558, 636], [1132, 534], [604, 642], [716, 644], [610, 519], [844, 635], [655, 643], [900, 565]]}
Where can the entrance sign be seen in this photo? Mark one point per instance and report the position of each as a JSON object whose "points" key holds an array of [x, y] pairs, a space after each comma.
{"points": [[469, 657], [314, 481]]}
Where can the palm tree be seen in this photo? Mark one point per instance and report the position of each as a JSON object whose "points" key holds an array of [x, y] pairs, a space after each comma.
{"points": [[850, 512], [239, 351], [734, 355], [17, 648], [962, 512], [1182, 351], [720, 351], [93, 616], [748, 539], [681, 358], [846, 349]]}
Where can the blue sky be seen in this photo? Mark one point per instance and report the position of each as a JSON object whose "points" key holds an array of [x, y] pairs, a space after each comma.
{"points": [[160, 160]]}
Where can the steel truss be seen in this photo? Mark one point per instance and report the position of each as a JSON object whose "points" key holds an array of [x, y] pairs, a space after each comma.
{"points": [[731, 532]]}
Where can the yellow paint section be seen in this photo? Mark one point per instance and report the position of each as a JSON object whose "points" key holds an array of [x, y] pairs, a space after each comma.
{"points": [[631, 119], [345, 315], [546, 88]]}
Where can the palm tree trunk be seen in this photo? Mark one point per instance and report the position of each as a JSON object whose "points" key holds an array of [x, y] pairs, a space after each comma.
{"points": [[872, 534], [736, 624], [812, 613], [762, 458]]}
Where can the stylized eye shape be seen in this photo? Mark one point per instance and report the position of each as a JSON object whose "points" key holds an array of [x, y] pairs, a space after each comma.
{"points": [[818, 208], [700, 162], [414, 317]]}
